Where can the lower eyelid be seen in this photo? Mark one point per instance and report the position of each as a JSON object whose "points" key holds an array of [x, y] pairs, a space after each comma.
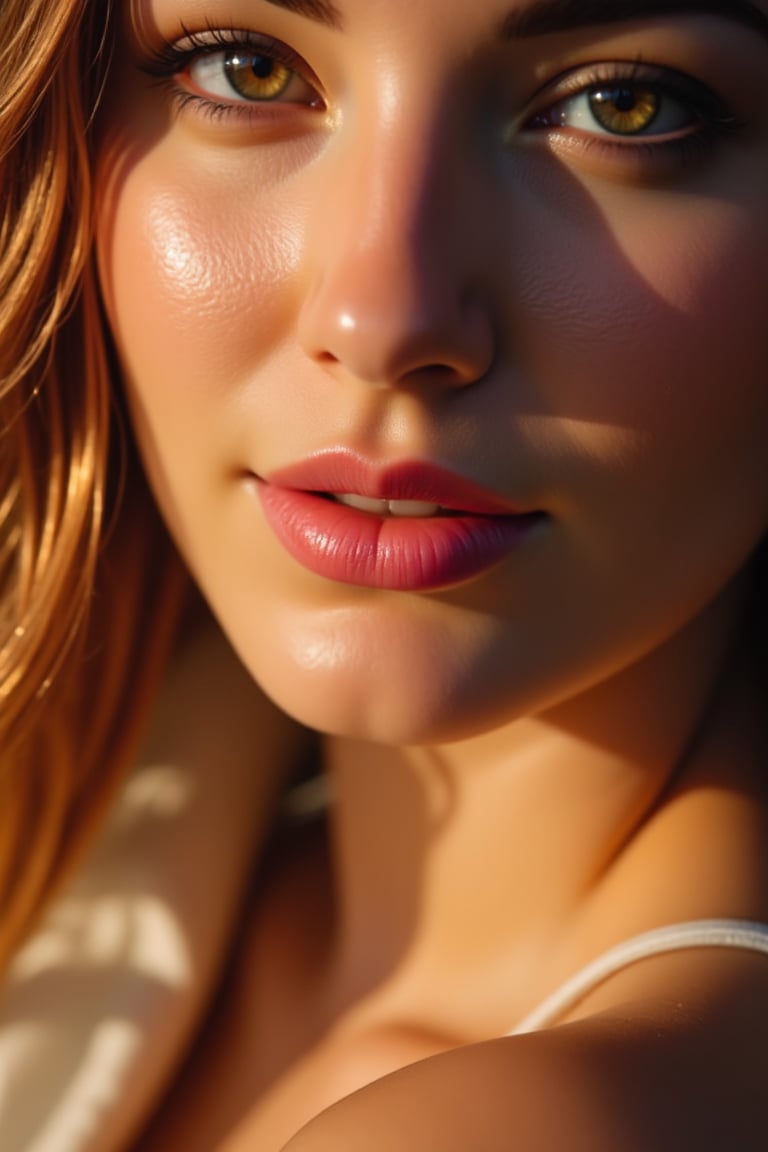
{"points": [[642, 160]]}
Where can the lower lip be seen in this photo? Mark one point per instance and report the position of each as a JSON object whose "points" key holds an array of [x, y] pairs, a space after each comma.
{"points": [[397, 553]]}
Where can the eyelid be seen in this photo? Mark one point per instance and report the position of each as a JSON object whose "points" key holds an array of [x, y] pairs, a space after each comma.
{"points": [[677, 85], [642, 157], [207, 71], [171, 59]]}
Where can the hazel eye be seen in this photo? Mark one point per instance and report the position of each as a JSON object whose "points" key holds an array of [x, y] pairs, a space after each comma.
{"points": [[249, 75], [621, 108], [624, 109]]}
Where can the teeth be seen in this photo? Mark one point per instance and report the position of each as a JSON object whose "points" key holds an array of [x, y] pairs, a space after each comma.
{"points": [[363, 503], [415, 508], [412, 508]]}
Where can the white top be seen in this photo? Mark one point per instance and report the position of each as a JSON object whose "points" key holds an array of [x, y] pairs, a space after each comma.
{"points": [[100, 1005]]}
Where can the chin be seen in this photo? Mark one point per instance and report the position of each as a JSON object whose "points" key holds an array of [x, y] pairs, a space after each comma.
{"points": [[395, 701], [336, 706], [375, 722]]}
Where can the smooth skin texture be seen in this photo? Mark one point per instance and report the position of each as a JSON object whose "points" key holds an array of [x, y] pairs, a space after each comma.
{"points": [[426, 247]]}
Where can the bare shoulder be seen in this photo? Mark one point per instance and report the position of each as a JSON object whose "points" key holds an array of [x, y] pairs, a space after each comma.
{"points": [[635, 1078]]}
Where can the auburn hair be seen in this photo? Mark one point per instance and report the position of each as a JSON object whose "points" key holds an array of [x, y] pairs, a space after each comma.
{"points": [[89, 583]]}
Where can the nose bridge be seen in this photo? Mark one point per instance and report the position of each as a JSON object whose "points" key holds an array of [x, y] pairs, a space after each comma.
{"points": [[398, 211], [391, 288]]}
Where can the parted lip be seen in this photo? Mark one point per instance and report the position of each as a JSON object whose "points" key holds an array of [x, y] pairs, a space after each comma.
{"points": [[340, 470], [457, 530]]}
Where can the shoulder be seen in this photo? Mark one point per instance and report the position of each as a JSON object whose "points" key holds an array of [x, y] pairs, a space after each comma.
{"points": [[627, 1080]]}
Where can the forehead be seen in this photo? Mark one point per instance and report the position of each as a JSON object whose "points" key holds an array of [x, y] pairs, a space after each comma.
{"points": [[515, 17], [531, 17]]}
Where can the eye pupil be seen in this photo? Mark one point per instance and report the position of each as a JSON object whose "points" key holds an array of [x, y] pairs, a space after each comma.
{"points": [[262, 66], [623, 99]]}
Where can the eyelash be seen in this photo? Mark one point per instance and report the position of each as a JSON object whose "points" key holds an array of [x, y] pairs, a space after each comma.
{"points": [[170, 59], [711, 120]]}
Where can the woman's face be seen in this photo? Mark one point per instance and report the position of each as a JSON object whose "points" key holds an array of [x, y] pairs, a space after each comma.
{"points": [[499, 267]]}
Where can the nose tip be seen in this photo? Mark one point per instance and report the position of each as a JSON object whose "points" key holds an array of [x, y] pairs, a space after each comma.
{"points": [[391, 325]]}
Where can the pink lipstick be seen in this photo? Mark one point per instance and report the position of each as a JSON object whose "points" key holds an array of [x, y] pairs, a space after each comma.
{"points": [[409, 527]]}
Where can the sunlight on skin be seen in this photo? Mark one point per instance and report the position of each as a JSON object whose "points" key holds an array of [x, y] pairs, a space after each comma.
{"points": [[432, 259]]}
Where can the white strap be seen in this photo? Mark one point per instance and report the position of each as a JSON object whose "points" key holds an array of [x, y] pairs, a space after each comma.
{"points": [[745, 934]]}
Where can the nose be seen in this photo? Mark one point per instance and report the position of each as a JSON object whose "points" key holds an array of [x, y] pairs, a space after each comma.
{"points": [[394, 297]]}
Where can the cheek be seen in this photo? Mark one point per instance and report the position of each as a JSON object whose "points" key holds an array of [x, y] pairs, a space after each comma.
{"points": [[194, 280], [647, 336], [196, 286], [696, 364], [702, 269], [643, 382]]}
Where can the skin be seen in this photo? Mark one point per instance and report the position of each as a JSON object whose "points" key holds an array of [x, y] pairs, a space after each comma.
{"points": [[402, 260]]}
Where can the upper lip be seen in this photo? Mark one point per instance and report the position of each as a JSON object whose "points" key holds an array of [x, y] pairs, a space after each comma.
{"points": [[342, 471]]}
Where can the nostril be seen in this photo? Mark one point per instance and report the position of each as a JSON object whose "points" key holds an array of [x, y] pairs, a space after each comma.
{"points": [[434, 375], [325, 357]]}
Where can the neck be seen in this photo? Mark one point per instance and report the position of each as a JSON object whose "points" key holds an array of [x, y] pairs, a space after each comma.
{"points": [[490, 864]]}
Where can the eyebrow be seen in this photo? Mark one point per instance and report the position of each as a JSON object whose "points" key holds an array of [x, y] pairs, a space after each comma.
{"points": [[323, 11], [547, 16]]}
